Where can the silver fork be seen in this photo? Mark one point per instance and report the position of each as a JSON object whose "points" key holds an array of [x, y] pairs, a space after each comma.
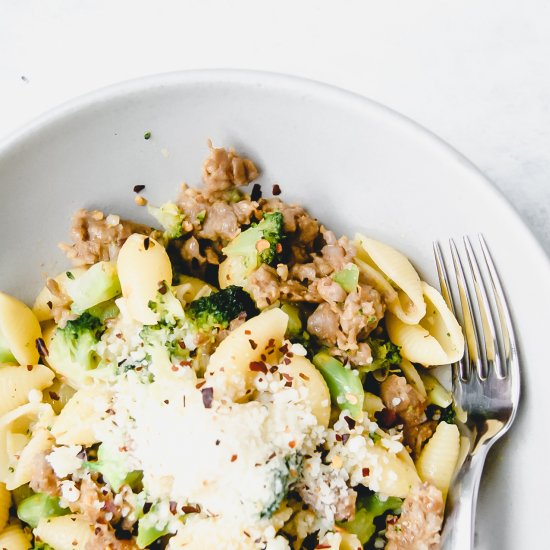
{"points": [[486, 382]]}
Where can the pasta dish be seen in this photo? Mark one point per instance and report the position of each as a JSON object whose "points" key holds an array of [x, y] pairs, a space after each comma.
{"points": [[231, 376]]}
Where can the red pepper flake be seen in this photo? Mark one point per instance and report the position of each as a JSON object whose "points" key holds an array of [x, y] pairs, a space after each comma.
{"points": [[49, 304], [138, 188], [292, 444], [233, 458], [97, 530], [200, 384], [391, 520], [217, 442], [166, 402], [284, 348], [322, 546], [278, 248], [304, 376], [350, 422], [276, 189], [185, 363], [248, 332], [146, 243], [41, 347], [110, 411], [288, 384], [190, 509], [274, 368], [263, 357], [173, 507], [175, 368], [181, 344], [288, 377], [258, 366], [289, 354], [345, 438], [29, 368], [387, 418], [123, 449], [53, 396], [271, 343], [253, 344], [256, 192], [286, 360], [163, 288], [365, 472], [207, 397], [271, 456]]}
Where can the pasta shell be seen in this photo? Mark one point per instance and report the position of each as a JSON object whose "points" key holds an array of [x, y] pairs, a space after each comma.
{"points": [[397, 472], [436, 340], [16, 382], [349, 541], [20, 329], [304, 373], [393, 275], [70, 532], [17, 447], [5, 503], [14, 538], [142, 265], [438, 459], [228, 371], [74, 425]]}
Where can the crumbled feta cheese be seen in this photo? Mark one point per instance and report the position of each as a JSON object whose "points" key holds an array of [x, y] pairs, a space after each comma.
{"points": [[69, 492]]}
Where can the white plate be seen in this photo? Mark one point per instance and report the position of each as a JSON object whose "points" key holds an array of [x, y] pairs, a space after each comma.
{"points": [[355, 164]]}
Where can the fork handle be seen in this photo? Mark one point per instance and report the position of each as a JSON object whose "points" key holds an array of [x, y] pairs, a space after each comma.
{"points": [[459, 529]]}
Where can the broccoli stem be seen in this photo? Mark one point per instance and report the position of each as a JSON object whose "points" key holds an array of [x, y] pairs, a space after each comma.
{"points": [[32, 509], [344, 385], [367, 510]]}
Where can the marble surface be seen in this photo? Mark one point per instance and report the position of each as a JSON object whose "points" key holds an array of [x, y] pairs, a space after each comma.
{"points": [[475, 73]]}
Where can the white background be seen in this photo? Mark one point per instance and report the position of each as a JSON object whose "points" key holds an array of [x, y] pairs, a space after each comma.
{"points": [[475, 72]]}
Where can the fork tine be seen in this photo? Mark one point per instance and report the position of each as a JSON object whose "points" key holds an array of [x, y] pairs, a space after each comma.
{"points": [[461, 367], [490, 354], [507, 328], [470, 330]]}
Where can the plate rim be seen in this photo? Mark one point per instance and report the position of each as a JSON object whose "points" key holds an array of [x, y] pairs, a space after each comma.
{"points": [[271, 79]]}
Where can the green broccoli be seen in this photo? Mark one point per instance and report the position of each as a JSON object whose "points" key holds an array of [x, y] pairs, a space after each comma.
{"points": [[219, 308], [367, 509], [38, 506], [347, 278], [259, 244], [99, 284], [149, 529], [170, 217], [283, 478], [113, 467], [385, 354], [75, 342]]}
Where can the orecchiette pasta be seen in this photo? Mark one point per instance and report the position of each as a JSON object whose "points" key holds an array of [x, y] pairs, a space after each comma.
{"points": [[5, 503], [191, 288], [438, 459], [41, 309], [392, 274], [70, 532], [74, 425], [436, 340], [349, 541], [14, 538], [19, 330], [412, 376], [142, 266], [23, 435], [16, 382], [304, 373], [229, 372]]}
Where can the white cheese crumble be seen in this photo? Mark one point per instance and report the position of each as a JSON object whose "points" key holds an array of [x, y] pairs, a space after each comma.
{"points": [[64, 461]]}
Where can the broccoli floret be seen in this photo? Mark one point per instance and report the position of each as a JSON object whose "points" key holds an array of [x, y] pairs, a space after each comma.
{"points": [[170, 217], [38, 506], [385, 354], [347, 278], [283, 478], [76, 341], [113, 467], [367, 509], [259, 244], [220, 308]]}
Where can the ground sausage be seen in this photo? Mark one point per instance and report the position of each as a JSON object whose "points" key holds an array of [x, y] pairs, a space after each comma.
{"points": [[420, 521]]}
